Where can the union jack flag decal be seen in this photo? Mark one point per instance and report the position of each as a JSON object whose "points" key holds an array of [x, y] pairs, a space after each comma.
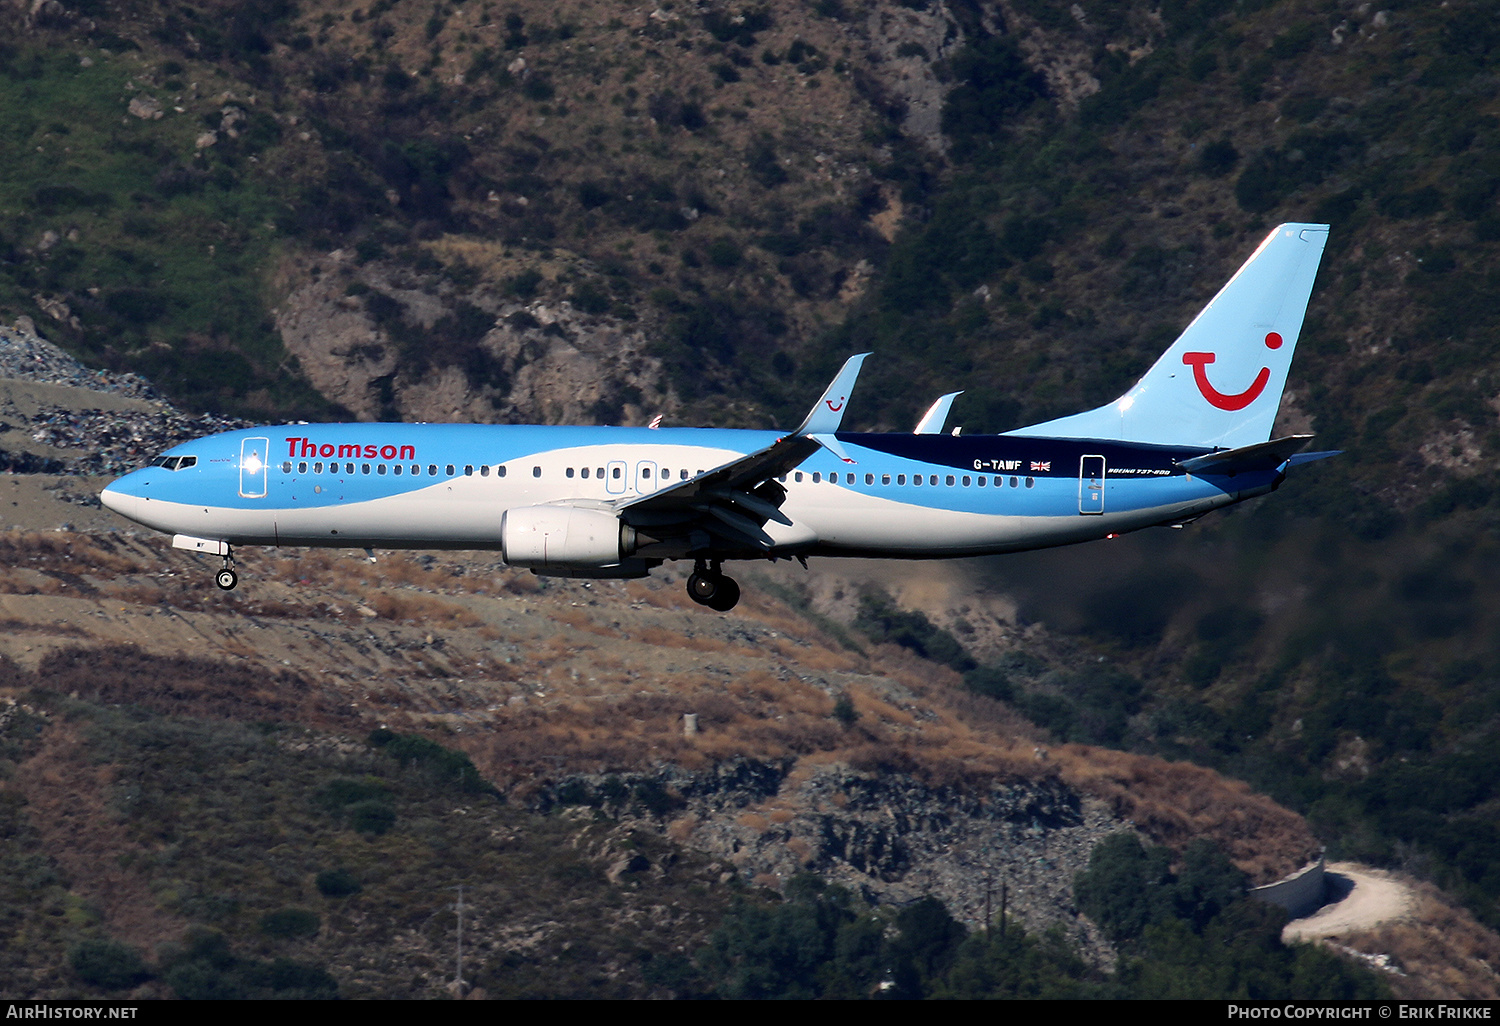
{"points": [[1044, 465]]}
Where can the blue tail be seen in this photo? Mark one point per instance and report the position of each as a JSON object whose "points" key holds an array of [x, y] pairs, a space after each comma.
{"points": [[1221, 382]]}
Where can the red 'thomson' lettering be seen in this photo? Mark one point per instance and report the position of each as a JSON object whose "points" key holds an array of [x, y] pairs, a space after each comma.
{"points": [[307, 447]]}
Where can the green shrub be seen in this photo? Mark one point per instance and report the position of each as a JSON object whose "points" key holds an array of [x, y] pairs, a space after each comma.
{"points": [[844, 711], [1218, 158], [372, 817], [338, 883], [290, 923], [344, 791], [107, 964]]}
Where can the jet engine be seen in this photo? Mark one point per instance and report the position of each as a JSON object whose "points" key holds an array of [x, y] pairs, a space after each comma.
{"points": [[542, 537]]}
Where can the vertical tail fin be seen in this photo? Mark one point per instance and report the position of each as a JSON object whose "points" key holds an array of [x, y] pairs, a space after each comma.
{"points": [[1221, 381]]}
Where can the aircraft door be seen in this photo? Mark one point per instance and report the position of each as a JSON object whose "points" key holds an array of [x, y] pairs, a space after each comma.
{"points": [[254, 454], [646, 477], [1091, 485], [614, 477]]}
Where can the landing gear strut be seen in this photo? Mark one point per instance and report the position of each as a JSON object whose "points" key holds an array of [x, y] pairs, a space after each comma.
{"points": [[708, 586], [226, 578]]}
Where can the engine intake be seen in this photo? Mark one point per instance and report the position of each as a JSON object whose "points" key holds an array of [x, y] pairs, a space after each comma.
{"points": [[561, 536]]}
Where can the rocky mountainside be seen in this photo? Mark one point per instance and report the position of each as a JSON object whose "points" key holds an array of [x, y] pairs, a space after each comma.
{"points": [[553, 212]]}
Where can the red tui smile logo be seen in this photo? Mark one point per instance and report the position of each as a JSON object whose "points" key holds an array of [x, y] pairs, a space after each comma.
{"points": [[835, 409], [1236, 401]]}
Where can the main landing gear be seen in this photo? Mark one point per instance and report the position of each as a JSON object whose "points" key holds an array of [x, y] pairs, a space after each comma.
{"points": [[226, 578], [709, 587]]}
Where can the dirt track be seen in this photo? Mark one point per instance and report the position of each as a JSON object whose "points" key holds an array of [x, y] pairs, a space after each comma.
{"points": [[1369, 898]]}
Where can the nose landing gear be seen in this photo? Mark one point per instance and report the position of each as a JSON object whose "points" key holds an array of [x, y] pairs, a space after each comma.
{"points": [[708, 586], [226, 578]]}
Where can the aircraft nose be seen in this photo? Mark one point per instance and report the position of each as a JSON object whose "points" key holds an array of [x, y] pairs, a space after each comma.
{"points": [[121, 498]]}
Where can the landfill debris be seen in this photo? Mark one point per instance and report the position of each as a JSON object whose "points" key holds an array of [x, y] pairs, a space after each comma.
{"points": [[108, 442]]}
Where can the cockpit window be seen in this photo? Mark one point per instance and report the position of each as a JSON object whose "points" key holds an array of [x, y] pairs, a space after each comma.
{"points": [[174, 462]]}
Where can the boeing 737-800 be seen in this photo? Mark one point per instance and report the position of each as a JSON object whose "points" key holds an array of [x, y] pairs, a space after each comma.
{"points": [[1193, 435]]}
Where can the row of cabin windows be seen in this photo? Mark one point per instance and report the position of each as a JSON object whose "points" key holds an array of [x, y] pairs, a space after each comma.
{"points": [[916, 479], [616, 473], [395, 468]]}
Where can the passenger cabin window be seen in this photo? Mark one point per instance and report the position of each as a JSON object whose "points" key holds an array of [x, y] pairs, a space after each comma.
{"points": [[536, 471], [568, 473], [885, 479], [317, 468], [500, 471], [432, 470], [396, 469], [615, 473], [901, 479], [380, 469], [585, 473], [468, 470], [1030, 482], [450, 469], [286, 467], [869, 479], [364, 468], [302, 468]]}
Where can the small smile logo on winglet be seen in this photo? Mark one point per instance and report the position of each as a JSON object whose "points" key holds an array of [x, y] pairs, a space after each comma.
{"points": [[1237, 401]]}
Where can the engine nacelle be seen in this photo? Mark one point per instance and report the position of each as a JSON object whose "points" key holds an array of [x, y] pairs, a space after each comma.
{"points": [[561, 536]]}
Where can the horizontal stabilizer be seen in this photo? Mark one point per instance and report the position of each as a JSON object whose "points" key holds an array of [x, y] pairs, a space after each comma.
{"points": [[1261, 456], [1312, 457]]}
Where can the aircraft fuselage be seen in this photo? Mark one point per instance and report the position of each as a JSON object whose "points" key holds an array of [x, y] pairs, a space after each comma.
{"points": [[448, 486]]}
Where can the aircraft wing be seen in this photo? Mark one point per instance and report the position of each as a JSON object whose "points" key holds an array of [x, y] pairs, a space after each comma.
{"points": [[733, 502]]}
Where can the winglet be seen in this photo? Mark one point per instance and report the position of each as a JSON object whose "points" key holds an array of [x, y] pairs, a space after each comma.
{"points": [[932, 422], [828, 414]]}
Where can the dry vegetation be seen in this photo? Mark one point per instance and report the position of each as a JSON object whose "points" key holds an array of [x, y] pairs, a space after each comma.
{"points": [[540, 682], [1440, 952], [540, 679]]}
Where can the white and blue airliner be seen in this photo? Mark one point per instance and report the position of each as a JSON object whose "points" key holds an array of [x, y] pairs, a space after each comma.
{"points": [[1193, 435]]}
